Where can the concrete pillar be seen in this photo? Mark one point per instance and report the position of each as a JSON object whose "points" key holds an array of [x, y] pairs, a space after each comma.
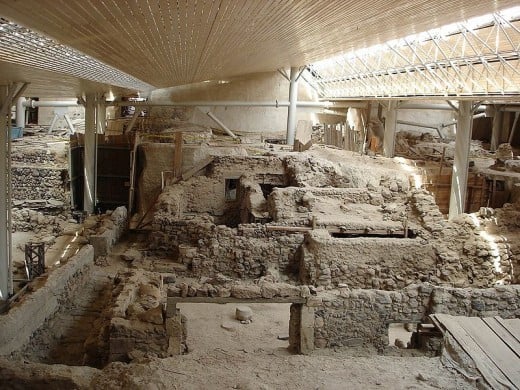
{"points": [[4, 184], [90, 155], [390, 128], [101, 116], [459, 180], [293, 100], [20, 112], [497, 128]]}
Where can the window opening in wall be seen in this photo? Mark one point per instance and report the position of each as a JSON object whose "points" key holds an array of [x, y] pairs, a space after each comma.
{"points": [[266, 189], [374, 234], [231, 189], [400, 335]]}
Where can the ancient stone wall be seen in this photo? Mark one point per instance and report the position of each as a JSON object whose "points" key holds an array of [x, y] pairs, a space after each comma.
{"points": [[468, 252], [207, 194], [247, 251], [40, 183], [363, 262], [361, 317]]}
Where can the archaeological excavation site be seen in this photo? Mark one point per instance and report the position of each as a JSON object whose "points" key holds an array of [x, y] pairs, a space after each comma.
{"points": [[259, 195]]}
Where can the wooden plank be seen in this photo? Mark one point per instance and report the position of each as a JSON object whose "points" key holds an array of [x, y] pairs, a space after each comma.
{"points": [[502, 332], [222, 300], [503, 357], [132, 178], [483, 363], [513, 326], [197, 167]]}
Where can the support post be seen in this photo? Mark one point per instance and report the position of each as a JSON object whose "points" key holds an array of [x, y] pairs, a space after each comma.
{"points": [[177, 157], [90, 159], [293, 100], [4, 240], [459, 179], [497, 128], [8, 94], [390, 128], [53, 123], [219, 122], [20, 112], [69, 123], [101, 116]]}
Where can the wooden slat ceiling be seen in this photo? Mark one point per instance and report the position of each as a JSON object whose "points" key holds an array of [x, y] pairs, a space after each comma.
{"points": [[174, 42], [51, 84]]}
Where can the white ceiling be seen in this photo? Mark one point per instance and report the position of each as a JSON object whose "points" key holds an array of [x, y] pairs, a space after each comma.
{"points": [[174, 42]]}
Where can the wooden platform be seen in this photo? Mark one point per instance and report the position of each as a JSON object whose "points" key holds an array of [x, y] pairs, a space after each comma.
{"points": [[493, 344]]}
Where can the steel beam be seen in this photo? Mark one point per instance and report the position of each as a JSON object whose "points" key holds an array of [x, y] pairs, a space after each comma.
{"points": [[390, 128], [4, 241], [459, 179], [498, 116], [7, 96], [291, 112]]}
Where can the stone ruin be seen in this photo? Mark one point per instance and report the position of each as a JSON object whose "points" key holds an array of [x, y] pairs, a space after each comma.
{"points": [[370, 245], [352, 244]]}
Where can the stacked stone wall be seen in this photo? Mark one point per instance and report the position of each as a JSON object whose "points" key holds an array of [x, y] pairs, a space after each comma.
{"points": [[361, 317]]}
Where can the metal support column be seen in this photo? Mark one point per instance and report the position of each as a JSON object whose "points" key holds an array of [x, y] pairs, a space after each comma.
{"points": [[4, 239], [8, 94], [90, 155], [390, 128], [459, 179], [497, 128], [293, 100], [20, 112], [101, 116]]}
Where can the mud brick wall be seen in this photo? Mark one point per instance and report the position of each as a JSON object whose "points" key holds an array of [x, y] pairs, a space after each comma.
{"points": [[361, 317]]}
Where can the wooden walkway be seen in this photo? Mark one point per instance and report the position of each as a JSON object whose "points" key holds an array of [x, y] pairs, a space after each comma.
{"points": [[492, 343]]}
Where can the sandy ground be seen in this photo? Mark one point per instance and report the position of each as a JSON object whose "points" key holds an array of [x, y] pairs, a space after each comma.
{"points": [[252, 357]]}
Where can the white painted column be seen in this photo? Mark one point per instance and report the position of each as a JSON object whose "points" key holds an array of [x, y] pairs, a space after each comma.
{"points": [[101, 116], [293, 101], [390, 128], [20, 112], [496, 129], [459, 180], [4, 184], [90, 155]]}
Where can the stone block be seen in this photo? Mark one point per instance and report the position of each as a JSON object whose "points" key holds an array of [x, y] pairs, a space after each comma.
{"points": [[246, 292]]}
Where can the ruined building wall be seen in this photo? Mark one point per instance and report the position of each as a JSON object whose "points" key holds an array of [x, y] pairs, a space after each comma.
{"points": [[361, 317], [457, 253], [207, 194], [247, 251], [466, 254], [363, 262], [40, 183]]}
